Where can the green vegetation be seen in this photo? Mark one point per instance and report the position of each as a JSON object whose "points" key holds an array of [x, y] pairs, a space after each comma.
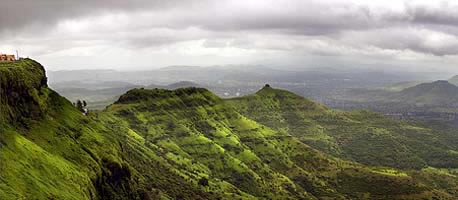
{"points": [[23, 90], [190, 144], [362, 136]]}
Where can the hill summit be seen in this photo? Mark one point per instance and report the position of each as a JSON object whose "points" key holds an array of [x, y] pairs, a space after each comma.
{"points": [[453, 80], [435, 93], [24, 90]]}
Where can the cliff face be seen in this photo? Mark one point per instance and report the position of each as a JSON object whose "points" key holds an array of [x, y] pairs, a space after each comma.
{"points": [[23, 91]]}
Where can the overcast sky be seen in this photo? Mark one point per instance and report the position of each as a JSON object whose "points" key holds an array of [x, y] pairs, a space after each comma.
{"points": [[147, 34]]}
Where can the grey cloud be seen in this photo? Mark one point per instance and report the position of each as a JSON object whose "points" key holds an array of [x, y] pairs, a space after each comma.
{"points": [[315, 27], [300, 17], [306, 17], [420, 40], [444, 15], [19, 13], [288, 17]]}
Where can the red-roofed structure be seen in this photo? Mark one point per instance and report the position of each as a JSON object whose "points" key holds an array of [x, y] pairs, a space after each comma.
{"points": [[7, 58]]}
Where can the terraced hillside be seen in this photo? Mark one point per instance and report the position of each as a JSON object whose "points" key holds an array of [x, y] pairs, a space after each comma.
{"points": [[361, 136], [178, 144]]}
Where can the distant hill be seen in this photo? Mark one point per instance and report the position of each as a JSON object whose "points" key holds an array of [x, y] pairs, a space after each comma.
{"points": [[98, 94], [435, 93], [101, 94], [173, 86], [182, 84], [440, 93], [92, 85], [181, 68], [454, 80], [81, 75], [325, 85], [243, 75], [396, 87]]}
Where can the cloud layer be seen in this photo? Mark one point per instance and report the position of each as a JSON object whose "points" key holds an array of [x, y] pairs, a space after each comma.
{"points": [[205, 32]]}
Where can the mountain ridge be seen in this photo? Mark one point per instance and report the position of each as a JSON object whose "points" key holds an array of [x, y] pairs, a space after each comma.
{"points": [[181, 144], [439, 92], [344, 134]]}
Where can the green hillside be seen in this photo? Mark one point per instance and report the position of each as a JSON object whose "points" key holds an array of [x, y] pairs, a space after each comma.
{"points": [[361, 136], [185, 144]]}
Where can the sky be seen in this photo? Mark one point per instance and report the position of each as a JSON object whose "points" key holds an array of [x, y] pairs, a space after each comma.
{"points": [[297, 34]]}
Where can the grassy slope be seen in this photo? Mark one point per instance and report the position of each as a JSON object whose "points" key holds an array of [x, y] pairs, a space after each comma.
{"points": [[56, 152], [208, 136], [21, 91], [158, 144], [361, 136]]}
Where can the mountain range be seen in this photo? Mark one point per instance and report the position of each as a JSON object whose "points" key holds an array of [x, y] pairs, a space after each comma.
{"points": [[189, 143]]}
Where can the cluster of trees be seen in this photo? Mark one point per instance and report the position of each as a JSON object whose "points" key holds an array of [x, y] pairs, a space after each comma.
{"points": [[81, 106]]}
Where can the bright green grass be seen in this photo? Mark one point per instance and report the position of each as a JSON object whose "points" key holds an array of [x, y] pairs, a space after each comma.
{"points": [[159, 144], [361, 136]]}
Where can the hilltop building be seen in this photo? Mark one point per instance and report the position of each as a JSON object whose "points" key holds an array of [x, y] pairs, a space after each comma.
{"points": [[7, 58]]}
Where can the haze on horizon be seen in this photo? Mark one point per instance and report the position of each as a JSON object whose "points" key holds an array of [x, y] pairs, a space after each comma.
{"points": [[141, 34]]}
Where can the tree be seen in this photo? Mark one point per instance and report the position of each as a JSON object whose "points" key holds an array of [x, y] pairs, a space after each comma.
{"points": [[79, 106], [203, 181]]}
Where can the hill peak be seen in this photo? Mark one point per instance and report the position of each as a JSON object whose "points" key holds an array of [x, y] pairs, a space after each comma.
{"points": [[144, 95], [442, 84], [454, 80], [435, 93], [269, 95], [22, 92], [267, 89]]}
